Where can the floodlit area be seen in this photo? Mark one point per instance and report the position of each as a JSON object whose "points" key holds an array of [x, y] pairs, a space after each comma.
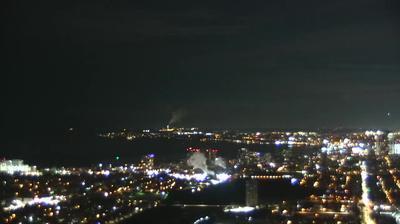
{"points": [[23, 202]]}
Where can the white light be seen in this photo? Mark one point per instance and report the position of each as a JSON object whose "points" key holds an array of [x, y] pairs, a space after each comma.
{"points": [[223, 176], [245, 209], [105, 173], [357, 150], [18, 203], [17, 166]]}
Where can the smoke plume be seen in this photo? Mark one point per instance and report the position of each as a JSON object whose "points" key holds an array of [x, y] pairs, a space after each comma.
{"points": [[176, 116], [199, 161], [220, 162]]}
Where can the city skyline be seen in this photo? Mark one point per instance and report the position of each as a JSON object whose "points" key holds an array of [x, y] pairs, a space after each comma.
{"points": [[303, 177]]}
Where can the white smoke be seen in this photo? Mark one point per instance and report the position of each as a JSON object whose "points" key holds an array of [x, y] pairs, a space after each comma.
{"points": [[220, 162], [199, 161], [176, 116]]}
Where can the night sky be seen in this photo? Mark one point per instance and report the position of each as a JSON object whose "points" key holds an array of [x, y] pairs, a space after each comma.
{"points": [[216, 63]]}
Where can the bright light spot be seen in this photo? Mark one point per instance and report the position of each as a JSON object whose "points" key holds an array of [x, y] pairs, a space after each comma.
{"points": [[294, 181], [244, 209]]}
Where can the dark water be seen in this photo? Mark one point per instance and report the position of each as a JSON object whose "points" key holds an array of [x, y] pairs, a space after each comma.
{"points": [[87, 149]]}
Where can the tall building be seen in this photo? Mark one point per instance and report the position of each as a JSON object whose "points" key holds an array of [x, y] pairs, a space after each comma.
{"points": [[379, 144], [251, 193], [394, 143], [394, 148], [15, 166]]}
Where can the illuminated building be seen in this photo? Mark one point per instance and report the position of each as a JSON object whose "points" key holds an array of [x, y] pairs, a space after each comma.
{"points": [[379, 145], [394, 149], [394, 143], [16, 166]]}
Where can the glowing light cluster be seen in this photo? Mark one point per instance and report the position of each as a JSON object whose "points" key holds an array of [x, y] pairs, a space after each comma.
{"points": [[202, 177], [244, 209], [367, 211], [200, 220], [18, 203], [197, 176], [17, 166], [222, 177]]}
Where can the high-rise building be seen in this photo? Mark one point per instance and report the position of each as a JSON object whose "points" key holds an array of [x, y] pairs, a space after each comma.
{"points": [[251, 193], [379, 144], [394, 143], [394, 149]]}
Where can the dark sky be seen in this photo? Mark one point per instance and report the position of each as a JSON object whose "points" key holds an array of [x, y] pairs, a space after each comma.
{"points": [[219, 63]]}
